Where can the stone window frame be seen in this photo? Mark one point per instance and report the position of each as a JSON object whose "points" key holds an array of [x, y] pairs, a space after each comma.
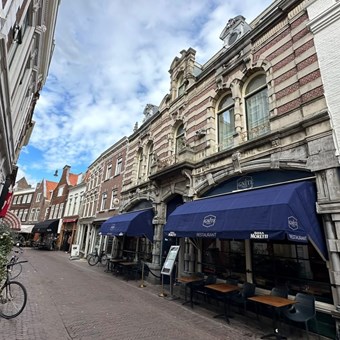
{"points": [[221, 110], [262, 127]]}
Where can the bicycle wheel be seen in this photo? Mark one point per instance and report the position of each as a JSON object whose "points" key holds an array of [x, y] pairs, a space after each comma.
{"points": [[15, 270], [104, 260], [13, 298], [92, 260]]}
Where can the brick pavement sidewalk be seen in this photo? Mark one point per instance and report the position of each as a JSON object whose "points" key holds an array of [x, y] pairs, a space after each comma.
{"points": [[49, 316]]}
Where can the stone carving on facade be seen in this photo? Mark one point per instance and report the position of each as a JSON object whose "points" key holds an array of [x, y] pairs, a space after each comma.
{"points": [[246, 65], [154, 189], [210, 179], [236, 161], [36, 5], [220, 84], [276, 142], [149, 111]]}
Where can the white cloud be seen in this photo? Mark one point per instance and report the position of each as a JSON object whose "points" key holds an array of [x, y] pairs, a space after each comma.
{"points": [[110, 60]]}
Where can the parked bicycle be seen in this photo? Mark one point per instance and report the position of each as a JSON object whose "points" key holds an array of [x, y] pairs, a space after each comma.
{"points": [[15, 267], [95, 258], [13, 295]]}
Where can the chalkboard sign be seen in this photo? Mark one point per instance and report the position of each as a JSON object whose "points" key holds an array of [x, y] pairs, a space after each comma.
{"points": [[170, 260]]}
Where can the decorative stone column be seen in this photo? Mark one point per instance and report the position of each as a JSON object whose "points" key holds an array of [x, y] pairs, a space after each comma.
{"points": [[158, 222]]}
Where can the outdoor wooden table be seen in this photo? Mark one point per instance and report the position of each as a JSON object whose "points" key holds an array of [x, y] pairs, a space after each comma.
{"points": [[225, 289], [127, 267], [111, 263], [188, 281], [275, 302]]}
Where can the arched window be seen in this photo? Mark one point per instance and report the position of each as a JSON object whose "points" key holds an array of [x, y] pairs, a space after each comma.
{"points": [[257, 110], [226, 123], [180, 141]]}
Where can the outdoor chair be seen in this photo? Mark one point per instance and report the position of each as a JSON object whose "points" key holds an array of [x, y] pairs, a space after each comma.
{"points": [[199, 287], [276, 291], [280, 291], [232, 281], [241, 297], [302, 311]]}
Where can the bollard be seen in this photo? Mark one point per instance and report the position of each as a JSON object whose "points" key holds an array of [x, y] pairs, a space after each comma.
{"points": [[142, 285], [162, 294]]}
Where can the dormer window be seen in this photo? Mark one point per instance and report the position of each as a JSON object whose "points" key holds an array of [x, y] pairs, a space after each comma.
{"points": [[234, 30]]}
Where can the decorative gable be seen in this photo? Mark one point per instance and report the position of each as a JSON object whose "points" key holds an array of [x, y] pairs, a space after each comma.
{"points": [[234, 30]]}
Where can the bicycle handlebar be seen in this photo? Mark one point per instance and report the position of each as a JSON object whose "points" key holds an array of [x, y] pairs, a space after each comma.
{"points": [[13, 264]]}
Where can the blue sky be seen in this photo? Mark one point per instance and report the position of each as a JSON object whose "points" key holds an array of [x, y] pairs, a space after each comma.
{"points": [[110, 60]]}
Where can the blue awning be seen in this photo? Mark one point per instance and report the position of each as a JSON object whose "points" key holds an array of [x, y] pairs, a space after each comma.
{"points": [[135, 223], [273, 213]]}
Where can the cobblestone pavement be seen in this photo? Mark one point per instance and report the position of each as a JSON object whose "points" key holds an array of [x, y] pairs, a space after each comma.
{"points": [[68, 299]]}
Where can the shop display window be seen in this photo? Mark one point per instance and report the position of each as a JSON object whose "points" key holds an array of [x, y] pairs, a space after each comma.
{"points": [[224, 258], [297, 266]]}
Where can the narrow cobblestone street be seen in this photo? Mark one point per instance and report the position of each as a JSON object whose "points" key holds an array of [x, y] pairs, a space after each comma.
{"points": [[71, 300]]}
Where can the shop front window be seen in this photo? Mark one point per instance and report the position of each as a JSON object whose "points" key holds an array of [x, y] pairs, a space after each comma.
{"points": [[296, 266], [224, 258]]}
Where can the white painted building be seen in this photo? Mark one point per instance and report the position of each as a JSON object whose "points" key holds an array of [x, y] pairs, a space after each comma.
{"points": [[26, 48], [324, 23]]}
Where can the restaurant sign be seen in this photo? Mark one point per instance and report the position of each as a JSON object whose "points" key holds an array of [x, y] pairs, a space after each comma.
{"points": [[245, 182], [293, 223], [259, 235], [209, 221]]}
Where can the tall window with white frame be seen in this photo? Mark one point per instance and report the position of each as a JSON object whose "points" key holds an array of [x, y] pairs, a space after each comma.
{"points": [[226, 123], [75, 205], [119, 165], [52, 211], [180, 139], [61, 210], [95, 204], [56, 211], [114, 200], [32, 215], [24, 216], [60, 191], [108, 171], [69, 208], [36, 214], [257, 108], [104, 199]]}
